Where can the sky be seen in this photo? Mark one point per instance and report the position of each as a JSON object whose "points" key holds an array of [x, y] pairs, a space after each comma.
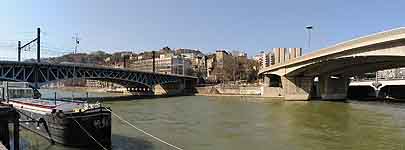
{"points": [[140, 25]]}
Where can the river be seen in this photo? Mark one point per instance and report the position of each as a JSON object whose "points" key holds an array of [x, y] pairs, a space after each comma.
{"points": [[243, 123]]}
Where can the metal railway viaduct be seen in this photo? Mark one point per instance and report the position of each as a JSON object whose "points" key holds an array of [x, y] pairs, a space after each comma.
{"points": [[333, 66], [39, 74]]}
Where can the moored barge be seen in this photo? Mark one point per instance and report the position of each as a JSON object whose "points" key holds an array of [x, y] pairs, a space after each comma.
{"points": [[70, 123]]}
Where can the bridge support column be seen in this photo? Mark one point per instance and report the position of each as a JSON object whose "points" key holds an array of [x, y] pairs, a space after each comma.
{"points": [[297, 88], [169, 89], [266, 82], [272, 86], [333, 88], [377, 93]]}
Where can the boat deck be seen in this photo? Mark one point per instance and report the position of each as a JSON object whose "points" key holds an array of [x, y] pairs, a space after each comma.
{"points": [[46, 105]]}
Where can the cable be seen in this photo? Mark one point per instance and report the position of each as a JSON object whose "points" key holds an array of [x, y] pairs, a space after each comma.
{"points": [[156, 138]]}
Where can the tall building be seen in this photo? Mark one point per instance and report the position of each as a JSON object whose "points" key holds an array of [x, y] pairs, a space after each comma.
{"points": [[276, 55], [295, 52], [265, 59], [298, 52], [283, 55], [271, 58], [292, 53]]}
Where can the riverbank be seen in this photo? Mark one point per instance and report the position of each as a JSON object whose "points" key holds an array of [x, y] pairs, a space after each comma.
{"points": [[225, 90]]}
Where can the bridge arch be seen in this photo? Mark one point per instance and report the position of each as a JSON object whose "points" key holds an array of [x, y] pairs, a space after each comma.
{"points": [[39, 74]]}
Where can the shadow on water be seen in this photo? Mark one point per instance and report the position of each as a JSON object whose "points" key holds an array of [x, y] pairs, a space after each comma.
{"points": [[337, 101], [29, 141], [120, 142]]}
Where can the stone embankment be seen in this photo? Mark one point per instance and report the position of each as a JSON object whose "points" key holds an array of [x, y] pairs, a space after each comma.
{"points": [[218, 90]]}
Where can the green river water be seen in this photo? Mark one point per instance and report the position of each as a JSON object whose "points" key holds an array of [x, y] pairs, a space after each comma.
{"points": [[246, 123]]}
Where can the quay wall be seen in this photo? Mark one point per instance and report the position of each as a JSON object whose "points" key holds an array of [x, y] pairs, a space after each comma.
{"points": [[229, 90], [272, 92]]}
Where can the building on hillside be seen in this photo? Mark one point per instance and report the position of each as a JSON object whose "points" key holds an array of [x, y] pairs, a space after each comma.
{"points": [[218, 65], [239, 54], [197, 59], [119, 64], [165, 63], [210, 65], [222, 58]]}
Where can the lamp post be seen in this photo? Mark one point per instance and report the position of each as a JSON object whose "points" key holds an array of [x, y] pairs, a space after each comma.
{"points": [[309, 29]]}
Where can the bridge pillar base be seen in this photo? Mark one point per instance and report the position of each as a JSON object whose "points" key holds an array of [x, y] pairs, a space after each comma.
{"points": [[169, 89], [297, 88], [333, 88]]}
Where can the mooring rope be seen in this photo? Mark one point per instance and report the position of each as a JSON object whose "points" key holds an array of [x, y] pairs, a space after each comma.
{"points": [[89, 134], [41, 120], [154, 137]]}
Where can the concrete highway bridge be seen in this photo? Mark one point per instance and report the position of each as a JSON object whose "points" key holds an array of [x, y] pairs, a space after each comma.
{"points": [[39, 74], [333, 66]]}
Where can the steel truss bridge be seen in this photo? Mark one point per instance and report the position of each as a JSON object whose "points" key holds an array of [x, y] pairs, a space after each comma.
{"points": [[38, 74]]}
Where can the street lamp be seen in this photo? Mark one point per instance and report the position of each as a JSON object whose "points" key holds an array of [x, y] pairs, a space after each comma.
{"points": [[309, 28]]}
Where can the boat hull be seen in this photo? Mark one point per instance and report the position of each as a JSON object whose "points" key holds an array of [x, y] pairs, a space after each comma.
{"points": [[75, 129]]}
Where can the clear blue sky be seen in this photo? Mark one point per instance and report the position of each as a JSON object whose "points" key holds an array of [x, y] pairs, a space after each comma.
{"points": [[249, 25]]}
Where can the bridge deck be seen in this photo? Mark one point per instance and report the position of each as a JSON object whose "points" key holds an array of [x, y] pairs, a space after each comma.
{"points": [[380, 37]]}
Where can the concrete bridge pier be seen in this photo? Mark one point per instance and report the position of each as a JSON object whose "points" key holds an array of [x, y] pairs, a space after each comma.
{"points": [[297, 87], [168, 89], [333, 88], [181, 87]]}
